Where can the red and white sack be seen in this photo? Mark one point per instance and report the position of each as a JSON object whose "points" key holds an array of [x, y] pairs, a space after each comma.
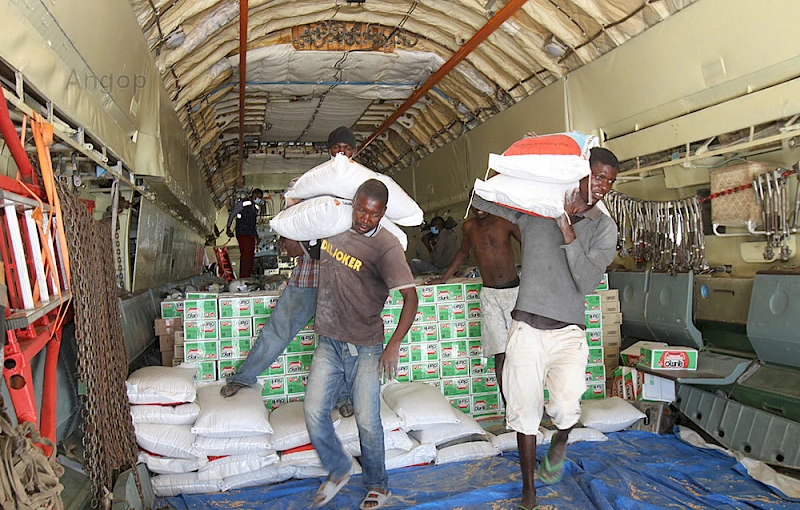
{"points": [[341, 177], [176, 441], [166, 486], [232, 465], [289, 424], [418, 454], [162, 385], [169, 466], [241, 415], [221, 446], [183, 414], [561, 158]]}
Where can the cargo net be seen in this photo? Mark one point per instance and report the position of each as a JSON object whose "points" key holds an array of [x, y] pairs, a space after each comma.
{"points": [[108, 437]]}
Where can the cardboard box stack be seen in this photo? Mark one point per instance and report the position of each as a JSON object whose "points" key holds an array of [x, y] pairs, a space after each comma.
{"points": [[603, 319], [165, 331], [632, 384]]}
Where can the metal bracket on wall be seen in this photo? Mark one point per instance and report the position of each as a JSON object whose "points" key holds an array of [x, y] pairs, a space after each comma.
{"points": [[755, 433]]}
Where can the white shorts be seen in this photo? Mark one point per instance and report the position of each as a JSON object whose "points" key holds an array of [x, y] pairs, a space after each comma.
{"points": [[496, 308], [535, 358]]}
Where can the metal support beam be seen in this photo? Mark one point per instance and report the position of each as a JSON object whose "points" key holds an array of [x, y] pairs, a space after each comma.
{"points": [[493, 24], [242, 72]]}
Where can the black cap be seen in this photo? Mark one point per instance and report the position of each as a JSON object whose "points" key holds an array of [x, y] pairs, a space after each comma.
{"points": [[341, 135]]}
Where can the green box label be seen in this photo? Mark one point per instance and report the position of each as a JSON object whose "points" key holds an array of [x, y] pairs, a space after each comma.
{"points": [[595, 356], [475, 349], [298, 363], [484, 384], [234, 348], [171, 309], [264, 305], [449, 292], [403, 373], [303, 342], [475, 329], [426, 294], [594, 320], [455, 367], [231, 307], [595, 373], [595, 391], [229, 367], [423, 333], [202, 295], [206, 371], [296, 398], [424, 370], [425, 314], [472, 291], [451, 311], [258, 324], [200, 330], [425, 351], [453, 330], [453, 349], [395, 298], [592, 303], [235, 328], [275, 385], [296, 383], [594, 337], [463, 404], [670, 358], [486, 404], [455, 386], [481, 366], [603, 285], [474, 311], [391, 316], [309, 327], [273, 403], [404, 354], [276, 368], [198, 309]]}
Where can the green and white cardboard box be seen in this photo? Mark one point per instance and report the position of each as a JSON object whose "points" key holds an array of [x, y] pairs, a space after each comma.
{"points": [[488, 403], [426, 314], [202, 295], [481, 366], [426, 294], [296, 398], [474, 328], [228, 367], [395, 299], [474, 311], [296, 383], [451, 311], [424, 351], [274, 402], [456, 386], [206, 371], [403, 372], [258, 324], [474, 348], [449, 349], [264, 305], [594, 320], [472, 291], [391, 316], [234, 348], [594, 391], [594, 337], [236, 328], [200, 330], [484, 384], [273, 386], [172, 309], [297, 363], [669, 358], [236, 306], [462, 402], [303, 342], [420, 333], [278, 367], [449, 292], [453, 330], [202, 350], [424, 370], [458, 367], [595, 373], [595, 356], [404, 353], [199, 309]]}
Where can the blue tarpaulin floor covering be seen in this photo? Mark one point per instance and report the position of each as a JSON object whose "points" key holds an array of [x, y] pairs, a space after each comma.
{"points": [[632, 470]]}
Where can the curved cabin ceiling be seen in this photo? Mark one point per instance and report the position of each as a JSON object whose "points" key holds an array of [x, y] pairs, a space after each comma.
{"points": [[313, 65]]}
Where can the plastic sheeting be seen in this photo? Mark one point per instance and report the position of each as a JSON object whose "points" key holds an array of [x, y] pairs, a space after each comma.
{"points": [[632, 471]]}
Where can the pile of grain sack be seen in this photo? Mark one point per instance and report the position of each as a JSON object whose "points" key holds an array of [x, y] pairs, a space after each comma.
{"points": [[326, 209]]}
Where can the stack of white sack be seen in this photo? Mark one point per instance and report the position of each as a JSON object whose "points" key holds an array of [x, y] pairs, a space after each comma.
{"points": [[326, 210], [455, 442], [163, 410], [508, 441], [535, 173], [298, 459]]}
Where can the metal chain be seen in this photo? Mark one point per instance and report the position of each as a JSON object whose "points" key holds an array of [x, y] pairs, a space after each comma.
{"points": [[115, 196], [108, 438]]}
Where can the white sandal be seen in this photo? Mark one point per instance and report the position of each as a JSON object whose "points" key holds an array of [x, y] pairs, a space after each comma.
{"points": [[375, 497], [328, 490]]}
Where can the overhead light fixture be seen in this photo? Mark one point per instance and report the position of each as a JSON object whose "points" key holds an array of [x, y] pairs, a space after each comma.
{"points": [[554, 47]]}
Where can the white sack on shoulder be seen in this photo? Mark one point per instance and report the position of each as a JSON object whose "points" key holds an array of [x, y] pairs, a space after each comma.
{"points": [[395, 231], [315, 218], [162, 385], [543, 199], [342, 177], [241, 415], [170, 466], [183, 414], [176, 441]]}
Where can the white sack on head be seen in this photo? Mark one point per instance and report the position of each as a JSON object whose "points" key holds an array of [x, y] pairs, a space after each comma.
{"points": [[532, 197], [342, 177], [162, 385]]}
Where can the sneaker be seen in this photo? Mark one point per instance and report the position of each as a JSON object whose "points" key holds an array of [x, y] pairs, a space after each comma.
{"points": [[231, 389], [346, 410]]}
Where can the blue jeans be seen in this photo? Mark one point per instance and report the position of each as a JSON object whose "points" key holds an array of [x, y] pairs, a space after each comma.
{"points": [[295, 308], [334, 367]]}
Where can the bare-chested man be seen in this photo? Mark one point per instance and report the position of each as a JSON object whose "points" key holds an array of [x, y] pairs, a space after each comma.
{"points": [[490, 237]]}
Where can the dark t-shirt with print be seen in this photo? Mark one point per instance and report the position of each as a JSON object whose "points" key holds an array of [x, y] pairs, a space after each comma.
{"points": [[355, 277]]}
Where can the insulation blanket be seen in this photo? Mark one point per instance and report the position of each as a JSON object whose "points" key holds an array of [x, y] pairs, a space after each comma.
{"points": [[632, 470]]}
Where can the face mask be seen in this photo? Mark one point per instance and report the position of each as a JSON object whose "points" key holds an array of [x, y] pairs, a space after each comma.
{"points": [[434, 231]]}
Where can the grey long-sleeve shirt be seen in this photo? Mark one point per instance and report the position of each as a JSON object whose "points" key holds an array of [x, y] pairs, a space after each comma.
{"points": [[555, 277]]}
